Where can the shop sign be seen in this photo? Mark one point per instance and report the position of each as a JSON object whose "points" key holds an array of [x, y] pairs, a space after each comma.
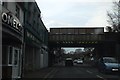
{"points": [[32, 37], [12, 21]]}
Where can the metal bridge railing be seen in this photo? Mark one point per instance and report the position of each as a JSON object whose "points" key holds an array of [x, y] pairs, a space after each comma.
{"points": [[75, 37]]}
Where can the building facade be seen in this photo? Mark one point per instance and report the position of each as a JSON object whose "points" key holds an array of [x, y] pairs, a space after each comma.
{"points": [[12, 39], [35, 39], [24, 39]]}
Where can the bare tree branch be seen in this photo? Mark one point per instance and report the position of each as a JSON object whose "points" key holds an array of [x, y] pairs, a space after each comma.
{"points": [[114, 17]]}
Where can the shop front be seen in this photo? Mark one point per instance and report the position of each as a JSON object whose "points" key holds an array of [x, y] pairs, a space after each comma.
{"points": [[32, 52], [12, 41], [44, 56]]}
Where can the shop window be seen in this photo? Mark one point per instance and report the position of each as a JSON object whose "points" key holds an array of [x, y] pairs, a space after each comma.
{"points": [[16, 57], [10, 55], [4, 54], [13, 56]]}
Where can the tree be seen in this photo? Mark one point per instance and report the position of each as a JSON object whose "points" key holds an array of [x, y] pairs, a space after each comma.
{"points": [[114, 18]]}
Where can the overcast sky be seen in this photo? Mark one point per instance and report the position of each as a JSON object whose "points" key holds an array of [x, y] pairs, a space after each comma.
{"points": [[68, 49], [74, 13]]}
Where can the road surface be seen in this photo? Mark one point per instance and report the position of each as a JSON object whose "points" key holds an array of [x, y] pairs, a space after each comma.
{"points": [[80, 71]]}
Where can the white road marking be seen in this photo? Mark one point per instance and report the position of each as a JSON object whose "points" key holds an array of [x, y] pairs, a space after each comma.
{"points": [[50, 73], [51, 76], [100, 77], [89, 71]]}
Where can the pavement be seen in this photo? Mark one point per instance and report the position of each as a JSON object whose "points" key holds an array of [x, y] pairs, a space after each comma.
{"points": [[39, 73], [43, 72]]}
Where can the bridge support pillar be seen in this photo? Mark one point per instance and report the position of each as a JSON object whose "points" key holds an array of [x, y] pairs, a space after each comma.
{"points": [[54, 55]]}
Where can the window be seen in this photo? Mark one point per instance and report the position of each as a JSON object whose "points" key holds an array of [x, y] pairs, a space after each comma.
{"points": [[16, 57], [4, 4], [10, 51], [29, 14], [17, 12], [0, 2]]}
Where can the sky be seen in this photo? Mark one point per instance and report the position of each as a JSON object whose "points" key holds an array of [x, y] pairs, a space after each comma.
{"points": [[75, 13], [69, 49]]}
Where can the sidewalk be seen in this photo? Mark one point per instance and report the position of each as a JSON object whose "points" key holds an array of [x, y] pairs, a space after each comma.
{"points": [[38, 74], [42, 73]]}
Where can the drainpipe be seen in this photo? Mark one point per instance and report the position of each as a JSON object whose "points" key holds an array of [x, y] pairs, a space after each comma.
{"points": [[23, 54]]}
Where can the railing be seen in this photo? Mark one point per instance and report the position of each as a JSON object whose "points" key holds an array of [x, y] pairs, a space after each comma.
{"points": [[76, 37]]}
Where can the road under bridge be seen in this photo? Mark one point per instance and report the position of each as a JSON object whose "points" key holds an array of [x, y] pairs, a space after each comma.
{"points": [[81, 37]]}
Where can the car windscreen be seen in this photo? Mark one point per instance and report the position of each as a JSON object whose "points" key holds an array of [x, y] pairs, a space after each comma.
{"points": [[110, 60]]}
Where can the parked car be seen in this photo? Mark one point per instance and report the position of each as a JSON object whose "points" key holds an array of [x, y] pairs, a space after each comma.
{"points": [[75, 61], [79, 61], [108, 65], [68, 62]]}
